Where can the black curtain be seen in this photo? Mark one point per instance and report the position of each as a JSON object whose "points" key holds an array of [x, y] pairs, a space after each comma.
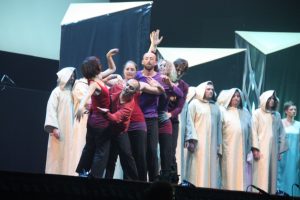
{"points": [[23, 143], [283, 75], [127, 30], [225, 72]]}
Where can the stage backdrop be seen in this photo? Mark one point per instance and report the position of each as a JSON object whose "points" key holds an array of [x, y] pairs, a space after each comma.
{"points": [[95, 28], [224, 67], [272, 63], [23, 143]]}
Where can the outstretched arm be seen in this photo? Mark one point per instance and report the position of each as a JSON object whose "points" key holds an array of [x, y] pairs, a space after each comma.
{"points": [[111, 64], [84, 100]]}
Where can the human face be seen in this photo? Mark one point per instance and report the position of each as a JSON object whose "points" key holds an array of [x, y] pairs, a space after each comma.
{"points": [[162, 67], [271, 102], [72, 79], [291, 111], [129, 71], [149, 61], [235, 100], [130, 87], [209, 92], [180, 69]]}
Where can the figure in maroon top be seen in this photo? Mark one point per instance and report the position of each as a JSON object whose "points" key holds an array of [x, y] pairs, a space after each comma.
{"points": [[176, 105], [122, 104], [95, 152], [137, 126]]}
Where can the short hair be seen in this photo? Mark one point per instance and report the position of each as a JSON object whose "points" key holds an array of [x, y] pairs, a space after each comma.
{"points": [[287, 105], [91, 67], [210, 83], [137, 82], [181, 62]]}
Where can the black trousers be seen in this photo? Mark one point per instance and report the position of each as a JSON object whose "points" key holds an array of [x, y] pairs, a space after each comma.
{"points": [[151, 153], [175, 127], [138, 141], [120, 145], [95, 152], [165, 147]]}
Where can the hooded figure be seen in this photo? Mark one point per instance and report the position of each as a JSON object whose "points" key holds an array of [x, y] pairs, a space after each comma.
{"points": [[223, 97], [59, 123], [203, 138], [268, 141], [80, 89], [236, 129]]}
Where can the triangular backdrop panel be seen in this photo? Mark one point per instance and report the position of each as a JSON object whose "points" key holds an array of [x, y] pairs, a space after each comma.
{"points": [[196, 56], [272, 63], [222, 66], [105, 26], [269, 42], [82, 11]]}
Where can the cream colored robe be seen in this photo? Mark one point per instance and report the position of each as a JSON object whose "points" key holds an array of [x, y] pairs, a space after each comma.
{"points": [[236, 129], [60, 115], [204, 126], [268, 136], [78, 141]]}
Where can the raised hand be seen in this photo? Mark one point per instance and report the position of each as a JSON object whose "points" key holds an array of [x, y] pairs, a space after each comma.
{"points": [[112, 52], [155, 39]]}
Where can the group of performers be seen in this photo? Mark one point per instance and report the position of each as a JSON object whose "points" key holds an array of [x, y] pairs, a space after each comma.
{"points": [[139, 116]]}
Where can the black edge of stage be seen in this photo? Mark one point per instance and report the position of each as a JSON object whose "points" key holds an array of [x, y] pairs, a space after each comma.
{"points": [[19, 185]]}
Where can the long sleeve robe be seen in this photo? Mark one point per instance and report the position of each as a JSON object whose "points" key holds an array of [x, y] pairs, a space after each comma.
{"points": [[203, 165], [236, 129], [268, 136], [60, 115]]}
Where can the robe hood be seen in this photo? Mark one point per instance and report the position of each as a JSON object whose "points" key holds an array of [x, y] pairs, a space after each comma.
{"points": [[264, 98], [229, 96], [64, 76], [222, 97], [200, 91], [191, 93]]}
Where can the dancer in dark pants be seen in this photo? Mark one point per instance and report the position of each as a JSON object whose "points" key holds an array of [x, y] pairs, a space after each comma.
{"points": [[95, 152]]}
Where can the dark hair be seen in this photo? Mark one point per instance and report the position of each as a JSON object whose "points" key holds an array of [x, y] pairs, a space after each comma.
{"points": [[132, 62], [287, 105], [181, 62], [91, 67]]}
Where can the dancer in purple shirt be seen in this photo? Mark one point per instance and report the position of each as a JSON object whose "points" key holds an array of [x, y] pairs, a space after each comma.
{"points": [[175, 104], [149, 104]]}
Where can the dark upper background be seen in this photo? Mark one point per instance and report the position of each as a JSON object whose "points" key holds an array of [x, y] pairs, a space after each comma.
{"points": [[211, 23], [183, 23]]}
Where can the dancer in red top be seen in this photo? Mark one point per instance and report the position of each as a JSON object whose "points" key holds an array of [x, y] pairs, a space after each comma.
{"points": [[137, 130], [122, 105], [95, 153]]}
